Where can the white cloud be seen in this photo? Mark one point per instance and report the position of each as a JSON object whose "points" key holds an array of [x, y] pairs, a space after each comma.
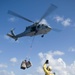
{"points": [[58, 53], [60, 60], [3, 66], [13, 60], [40, 70], [65, 22], [12, 19], [71, 69], [4, 72], [41, 55], [58, 64], [72, 49], [58, 18]]}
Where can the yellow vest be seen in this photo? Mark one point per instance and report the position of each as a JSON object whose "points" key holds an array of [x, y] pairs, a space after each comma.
{"points": [[46, 71]]}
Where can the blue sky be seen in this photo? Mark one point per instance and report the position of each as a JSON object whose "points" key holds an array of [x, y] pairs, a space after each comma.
{"points": [[58, 47]]}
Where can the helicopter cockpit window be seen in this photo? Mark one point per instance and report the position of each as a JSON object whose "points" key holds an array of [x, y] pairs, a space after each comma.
{"points": [[46, 26], [38, 26], [26, 28], [33, 28], [42, 24]]}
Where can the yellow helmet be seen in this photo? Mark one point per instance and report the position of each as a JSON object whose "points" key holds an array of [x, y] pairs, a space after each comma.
{"points": [[49, 68]]}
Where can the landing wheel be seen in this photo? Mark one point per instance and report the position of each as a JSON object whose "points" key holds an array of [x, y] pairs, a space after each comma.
{"points": [[42, 36]]}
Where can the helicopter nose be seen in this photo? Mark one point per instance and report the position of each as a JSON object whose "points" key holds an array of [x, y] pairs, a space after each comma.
{"points": [[48, 27]]}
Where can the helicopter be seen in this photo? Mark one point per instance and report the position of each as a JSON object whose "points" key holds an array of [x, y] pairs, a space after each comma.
{"points": [[36, 28]]}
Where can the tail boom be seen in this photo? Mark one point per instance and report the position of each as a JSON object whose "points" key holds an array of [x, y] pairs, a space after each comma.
{"points": [[12, 36]]}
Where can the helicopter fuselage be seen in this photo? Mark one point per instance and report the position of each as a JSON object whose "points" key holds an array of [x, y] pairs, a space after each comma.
{"points": [[34, 29]]}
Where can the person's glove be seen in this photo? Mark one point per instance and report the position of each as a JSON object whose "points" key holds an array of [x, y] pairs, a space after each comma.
{"points": [[54, 73], [47, 61]]}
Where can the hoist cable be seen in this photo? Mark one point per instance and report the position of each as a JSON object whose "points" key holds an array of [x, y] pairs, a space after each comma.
{"points": [[30, 48]]}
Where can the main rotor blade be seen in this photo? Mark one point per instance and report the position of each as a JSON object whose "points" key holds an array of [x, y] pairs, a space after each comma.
{"points": [[51, 8], [17, 15]]}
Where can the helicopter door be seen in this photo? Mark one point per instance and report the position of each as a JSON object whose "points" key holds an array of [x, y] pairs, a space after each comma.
{"points": [[33, 28]]}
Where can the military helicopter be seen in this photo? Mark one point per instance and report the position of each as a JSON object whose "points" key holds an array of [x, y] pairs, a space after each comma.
{"points": [[36, 28]]}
